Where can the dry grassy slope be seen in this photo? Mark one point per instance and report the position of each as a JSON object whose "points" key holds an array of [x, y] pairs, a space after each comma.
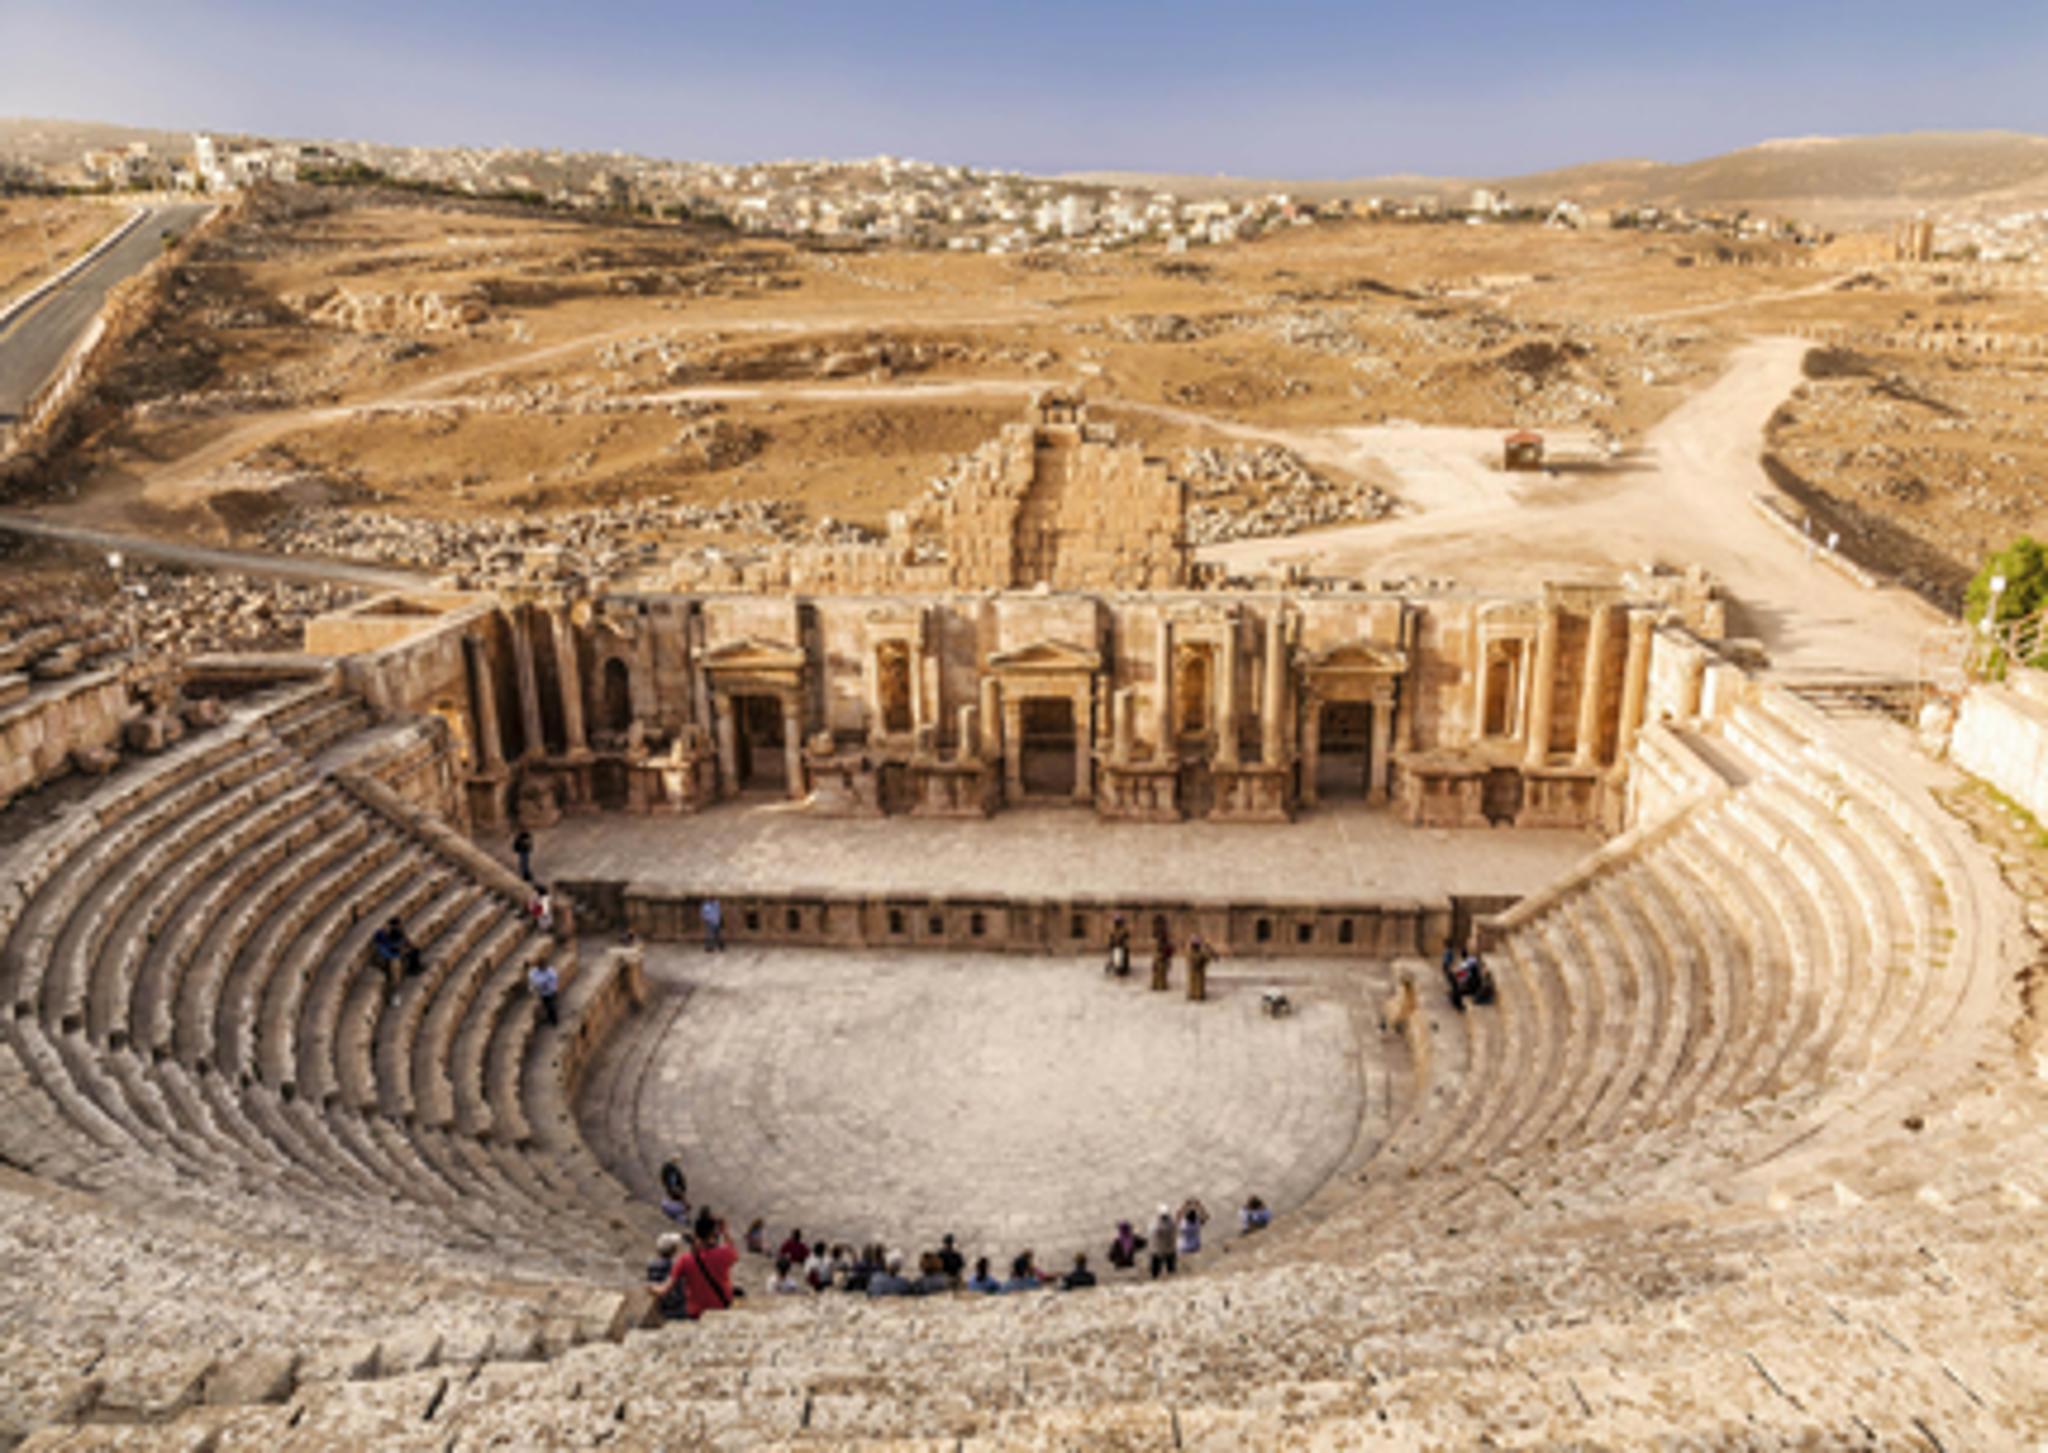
{"points": [[1824, 179]]}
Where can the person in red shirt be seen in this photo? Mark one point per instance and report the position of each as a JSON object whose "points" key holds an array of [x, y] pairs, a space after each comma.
{"points": [[700, 1280]]}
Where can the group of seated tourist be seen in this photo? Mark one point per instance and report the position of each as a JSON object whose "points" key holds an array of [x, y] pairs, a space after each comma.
{"points": [[692, 1271]]}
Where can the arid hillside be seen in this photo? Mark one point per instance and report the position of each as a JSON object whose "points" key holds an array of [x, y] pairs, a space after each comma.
{"points": [[353, 349]]}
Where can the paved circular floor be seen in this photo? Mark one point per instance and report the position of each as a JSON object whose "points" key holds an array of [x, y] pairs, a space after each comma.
{"points": [[1013, 1101]]}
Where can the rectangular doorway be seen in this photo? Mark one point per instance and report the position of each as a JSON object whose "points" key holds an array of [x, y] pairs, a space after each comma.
{"points": [[1344, 755], [1046, 750], [759, 743]]}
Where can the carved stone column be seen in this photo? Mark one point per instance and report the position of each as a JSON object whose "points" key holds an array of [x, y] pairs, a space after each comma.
{"points": [[932, 707], [970, 735], [1084, 743], [700, 681], [484, 706], [871, 693], [569, 677], [1013, 748], [728, 745], [1273, 707], [991, 719], [1378, 788], [1162, 705], [793, 743], [1542, 690], [1226, 699], [1311, 745], [529, 685], [1635, 680], [1593, 688]]}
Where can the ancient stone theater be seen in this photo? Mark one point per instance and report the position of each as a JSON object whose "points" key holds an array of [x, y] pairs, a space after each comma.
{"points": [[1733, 1140]]}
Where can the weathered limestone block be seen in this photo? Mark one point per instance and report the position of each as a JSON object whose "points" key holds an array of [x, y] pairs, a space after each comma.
{"points": [[95, 761], [254, 1375], [152, 733]]}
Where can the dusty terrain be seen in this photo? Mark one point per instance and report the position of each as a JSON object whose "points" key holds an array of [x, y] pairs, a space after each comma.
{"points": [[41, 234], [397, 379], [445, 361], [1926, 464]]}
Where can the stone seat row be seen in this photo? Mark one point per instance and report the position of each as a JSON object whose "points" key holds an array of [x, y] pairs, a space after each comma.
{"points": [[197, 989], [227, 1307], [1825, 1331], [1790, 931]]}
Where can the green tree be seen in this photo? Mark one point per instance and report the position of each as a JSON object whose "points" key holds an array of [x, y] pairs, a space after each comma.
{"points": [[2024, 567]]}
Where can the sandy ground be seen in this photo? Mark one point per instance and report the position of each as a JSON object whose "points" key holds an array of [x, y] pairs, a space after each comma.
{"points": [[1685, 498], [305, 340]]}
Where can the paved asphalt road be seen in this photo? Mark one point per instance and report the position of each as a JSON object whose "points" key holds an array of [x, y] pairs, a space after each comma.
{"points": [[35, 343]]}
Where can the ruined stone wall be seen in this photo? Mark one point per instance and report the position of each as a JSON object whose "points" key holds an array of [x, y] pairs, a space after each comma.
{"points": [[1056, 501], [2001, 735], [42, 735]]}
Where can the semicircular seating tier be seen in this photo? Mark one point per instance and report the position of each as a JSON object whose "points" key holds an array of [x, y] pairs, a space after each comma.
{"points": [[365, 1216]]}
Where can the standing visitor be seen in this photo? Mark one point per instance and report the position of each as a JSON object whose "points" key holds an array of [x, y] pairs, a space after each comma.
{"points": [[701, 1279], [1162, 1244], [1199, 959], [1193, 1216], [713, 915], [541, 909], [1162, 952], [522, 849], [546, 985], [1119, 963]]}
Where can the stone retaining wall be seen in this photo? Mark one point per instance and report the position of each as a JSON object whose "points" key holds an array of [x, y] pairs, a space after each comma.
{"points": [[2001, 735], [39, 735], [996, 923]]}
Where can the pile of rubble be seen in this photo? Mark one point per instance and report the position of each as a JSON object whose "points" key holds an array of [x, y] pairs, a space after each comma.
{"points": [[164, 611], [140, 613], [1259, 491], [355, 311], [601, 543]]}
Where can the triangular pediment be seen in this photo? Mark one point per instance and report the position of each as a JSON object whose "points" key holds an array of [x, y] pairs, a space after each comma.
{"points": [[1048, 656], [754, 655], [1358, 657]]}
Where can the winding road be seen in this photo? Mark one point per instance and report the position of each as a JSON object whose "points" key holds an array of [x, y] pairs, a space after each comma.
{"points": [[33, 345]]}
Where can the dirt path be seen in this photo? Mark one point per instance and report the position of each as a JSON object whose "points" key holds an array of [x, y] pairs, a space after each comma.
{"points": [[204, 557], [1686, 498], [182, 483]]}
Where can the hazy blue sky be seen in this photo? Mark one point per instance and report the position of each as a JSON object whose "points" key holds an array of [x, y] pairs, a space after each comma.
{"points": [[1279, 88]]}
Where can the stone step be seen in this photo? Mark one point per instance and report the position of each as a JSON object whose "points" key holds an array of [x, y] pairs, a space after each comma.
{"points": [[428, 1012], [351, 914], [350, 991], [1787, 942], [70, 905], [254, 986], [194, 1032], [159, 897], [1670, 995], [160, 980]]}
